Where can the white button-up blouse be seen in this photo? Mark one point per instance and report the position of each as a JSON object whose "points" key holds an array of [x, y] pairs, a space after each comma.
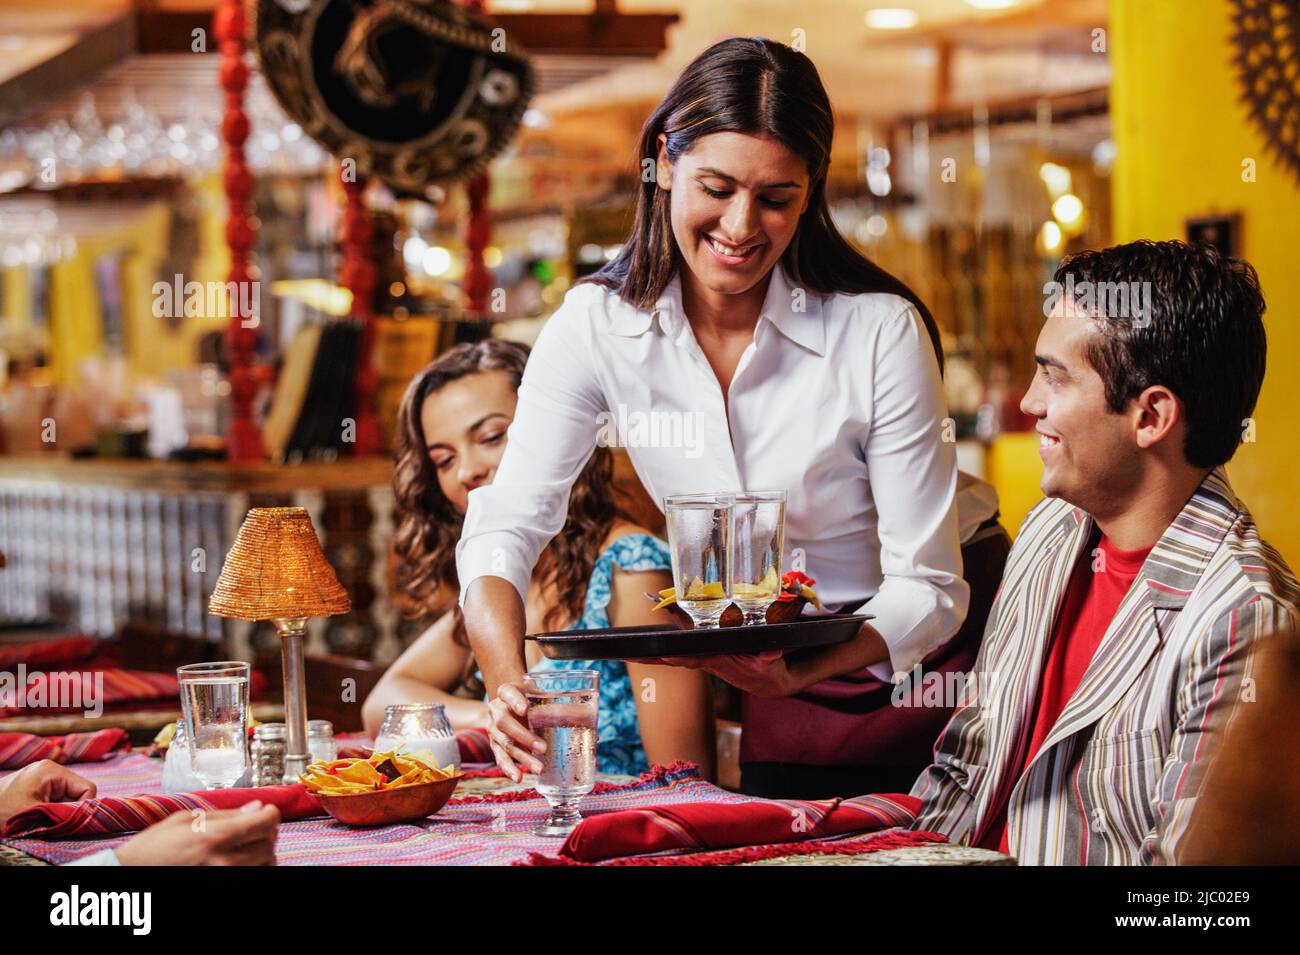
{"points": [[838, 401]]}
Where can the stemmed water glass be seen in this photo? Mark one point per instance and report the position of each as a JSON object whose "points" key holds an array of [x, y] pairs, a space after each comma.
{"points": [[699, 537], [214, 700], [564, 710], [756, 564]]}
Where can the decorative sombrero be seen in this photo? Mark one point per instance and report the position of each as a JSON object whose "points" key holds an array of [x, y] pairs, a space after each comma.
{"points": [[417, 92]]}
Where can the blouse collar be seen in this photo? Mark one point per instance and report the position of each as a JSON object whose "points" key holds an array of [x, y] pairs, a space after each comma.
{"points": [[795, 312]]}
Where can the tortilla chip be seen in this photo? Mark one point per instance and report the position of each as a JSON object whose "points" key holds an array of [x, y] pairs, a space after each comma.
{"points": [[361, 772]]}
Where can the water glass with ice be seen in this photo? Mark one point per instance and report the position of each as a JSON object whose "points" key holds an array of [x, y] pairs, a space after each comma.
{"points": [[214, 700]]}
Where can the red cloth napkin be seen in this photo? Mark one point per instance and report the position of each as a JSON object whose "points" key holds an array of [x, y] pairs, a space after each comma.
{"points": [[110, 815], [21, 749], [704, 825]]}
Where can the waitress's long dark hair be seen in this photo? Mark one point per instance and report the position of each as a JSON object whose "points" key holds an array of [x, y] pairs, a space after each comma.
{"points": [[757, 86]]}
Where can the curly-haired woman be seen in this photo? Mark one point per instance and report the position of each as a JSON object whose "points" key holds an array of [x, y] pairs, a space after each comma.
{"points": [[451, 436]]}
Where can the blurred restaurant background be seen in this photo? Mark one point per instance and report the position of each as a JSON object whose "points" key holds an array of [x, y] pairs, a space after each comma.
{"points": [[147, 146]]}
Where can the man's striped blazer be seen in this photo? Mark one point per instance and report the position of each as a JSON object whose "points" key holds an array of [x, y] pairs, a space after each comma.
{"points": [[1116, 778]]}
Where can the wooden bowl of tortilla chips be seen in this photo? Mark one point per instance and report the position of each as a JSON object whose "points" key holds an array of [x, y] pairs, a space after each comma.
{"points": [[381, 789]]}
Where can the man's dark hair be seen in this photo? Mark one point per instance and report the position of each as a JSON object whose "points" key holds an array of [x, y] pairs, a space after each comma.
{"points": [[1203, 339]]}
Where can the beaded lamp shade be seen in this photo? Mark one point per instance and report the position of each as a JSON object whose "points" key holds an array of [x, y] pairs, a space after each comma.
{"points": [[276, 570]]}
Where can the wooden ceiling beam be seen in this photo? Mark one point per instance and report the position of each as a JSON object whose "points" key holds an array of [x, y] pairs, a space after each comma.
{"points": [[594, 34], [1022, 109], [65, 72]]}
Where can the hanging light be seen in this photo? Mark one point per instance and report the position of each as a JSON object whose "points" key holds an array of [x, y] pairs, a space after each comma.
{"points": [[413, 250], [1068, 211], [1050, 238], [892, 18], [1103, 155], [1056, 178], [436, 260], [878, 178]]}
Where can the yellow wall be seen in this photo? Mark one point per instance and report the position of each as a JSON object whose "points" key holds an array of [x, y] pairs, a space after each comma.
{"points": [[1181, 135], [17, 297], [75, 318], [1012, 465]]}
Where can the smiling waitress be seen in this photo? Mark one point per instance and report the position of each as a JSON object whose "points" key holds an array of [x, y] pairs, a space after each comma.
{"points": [[809, 369]]}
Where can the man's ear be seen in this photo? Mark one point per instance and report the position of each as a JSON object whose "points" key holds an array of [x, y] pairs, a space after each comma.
{"points": [[663, 167], [1158, 413]]}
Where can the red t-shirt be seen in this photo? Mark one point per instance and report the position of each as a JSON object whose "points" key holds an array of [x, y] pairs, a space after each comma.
{"points": [[1089, 605]]}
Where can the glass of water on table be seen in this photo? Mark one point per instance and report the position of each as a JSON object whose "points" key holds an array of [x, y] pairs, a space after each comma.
{"points": [[699, 538], [214, 700], [563, 708]]}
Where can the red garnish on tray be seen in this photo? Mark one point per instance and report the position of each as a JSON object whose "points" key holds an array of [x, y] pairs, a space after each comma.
{"points": [[793, 578], [793, 583]]}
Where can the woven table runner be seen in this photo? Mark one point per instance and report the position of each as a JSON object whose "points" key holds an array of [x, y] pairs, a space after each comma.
{"points": [[480, 828]]}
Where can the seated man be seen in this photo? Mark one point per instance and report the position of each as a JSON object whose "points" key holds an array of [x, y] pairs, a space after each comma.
{"points": [[1134, 593]]}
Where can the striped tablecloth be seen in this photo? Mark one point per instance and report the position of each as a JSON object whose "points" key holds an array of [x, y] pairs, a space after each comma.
{"points": [[472, 829]]}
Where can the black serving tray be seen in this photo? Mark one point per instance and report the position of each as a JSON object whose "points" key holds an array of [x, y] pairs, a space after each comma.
{"points": [[630, 643]]}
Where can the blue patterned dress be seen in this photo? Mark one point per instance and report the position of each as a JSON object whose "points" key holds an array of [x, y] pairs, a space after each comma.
{"points": [[618, 749]]}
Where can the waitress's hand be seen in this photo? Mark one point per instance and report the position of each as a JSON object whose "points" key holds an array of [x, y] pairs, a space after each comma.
{"points": [[763, 674], [495, 622], [512, 742]]}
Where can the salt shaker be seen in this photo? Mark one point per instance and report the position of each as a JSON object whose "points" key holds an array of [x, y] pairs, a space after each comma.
{"points": [[268, 751], [320, 740]]}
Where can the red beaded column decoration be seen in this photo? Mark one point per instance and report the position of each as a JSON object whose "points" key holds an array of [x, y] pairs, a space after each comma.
{"points": [[478, 280], [358, 274], [244, 443]]}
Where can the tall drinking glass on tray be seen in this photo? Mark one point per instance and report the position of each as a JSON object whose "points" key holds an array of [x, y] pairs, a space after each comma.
{"points": [[756, 557], [699, 537]]}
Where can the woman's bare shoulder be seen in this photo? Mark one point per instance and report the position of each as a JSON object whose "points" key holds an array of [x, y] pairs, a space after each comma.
{"points": [[623, 529]]}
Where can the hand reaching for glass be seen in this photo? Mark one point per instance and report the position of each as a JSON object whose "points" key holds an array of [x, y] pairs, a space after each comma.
{"points": [[512, 742], [562, 705]]}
